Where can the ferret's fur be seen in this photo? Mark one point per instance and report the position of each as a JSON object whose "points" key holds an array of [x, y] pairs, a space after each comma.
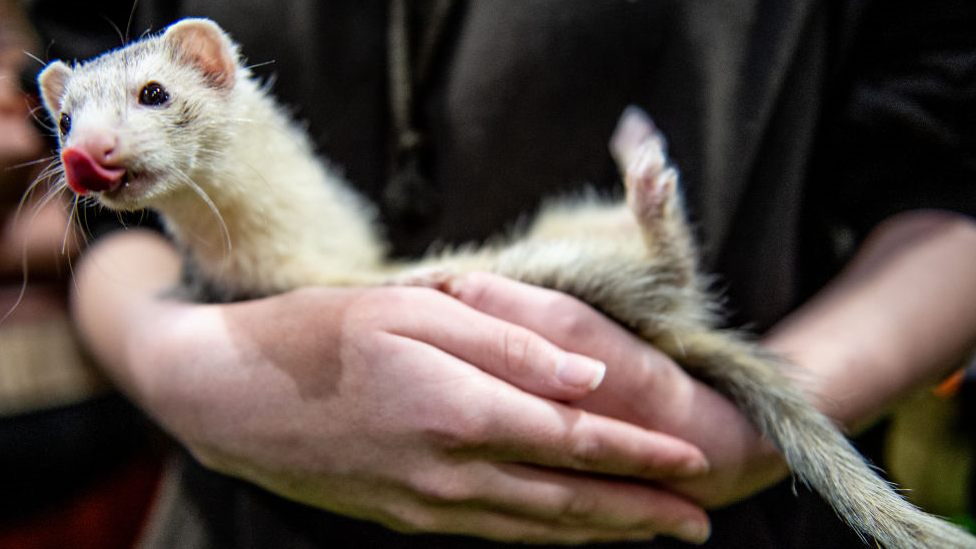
{"points": [[239, 188]]}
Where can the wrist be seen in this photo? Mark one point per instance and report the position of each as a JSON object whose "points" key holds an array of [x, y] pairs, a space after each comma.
{"points": [[114, 304], [839, 377], [656, 393], [744, 462]]}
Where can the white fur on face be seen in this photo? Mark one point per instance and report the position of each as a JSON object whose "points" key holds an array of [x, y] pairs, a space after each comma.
{"points": [[161, 146]]}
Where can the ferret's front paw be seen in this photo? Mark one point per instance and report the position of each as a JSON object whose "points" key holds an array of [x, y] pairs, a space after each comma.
{"points": [[436, 277]]}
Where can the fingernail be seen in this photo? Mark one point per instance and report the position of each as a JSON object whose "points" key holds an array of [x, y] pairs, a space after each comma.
{"points": [[694, 532], [580, 371]]}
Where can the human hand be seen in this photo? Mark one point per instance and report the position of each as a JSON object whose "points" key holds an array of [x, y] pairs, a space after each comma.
{"points": [[366, 402], [642, 386], [331, 398]]}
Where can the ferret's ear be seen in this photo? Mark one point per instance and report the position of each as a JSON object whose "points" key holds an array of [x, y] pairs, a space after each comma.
{"points": [[52, 81], [202, 43]]}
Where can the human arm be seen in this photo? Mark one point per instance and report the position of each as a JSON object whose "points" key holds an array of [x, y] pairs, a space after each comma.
{"points": [[360, 401], [903, 313]]}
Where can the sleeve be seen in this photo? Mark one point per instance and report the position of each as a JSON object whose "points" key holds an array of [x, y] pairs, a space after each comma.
{"points": [[903, 132]]}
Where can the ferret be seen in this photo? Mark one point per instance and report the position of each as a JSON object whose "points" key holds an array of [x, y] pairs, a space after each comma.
{"points": [[176, 123]]}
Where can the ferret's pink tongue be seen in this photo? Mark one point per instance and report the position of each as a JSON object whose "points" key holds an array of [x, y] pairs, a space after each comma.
{"points": [[85, 175]]}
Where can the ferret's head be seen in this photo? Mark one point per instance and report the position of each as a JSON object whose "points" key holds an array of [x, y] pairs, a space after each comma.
{"points": [[135, 123]]}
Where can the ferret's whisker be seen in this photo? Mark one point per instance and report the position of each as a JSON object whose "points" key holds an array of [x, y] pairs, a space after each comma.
{"points": [[259, 65], [45, 122], [213, 208], [257, 173], [82, 204], [25, 198], [128, 25], [52, 194], [73, 222], [116, 28], [67, 227], [30, 163], [34, 57]]}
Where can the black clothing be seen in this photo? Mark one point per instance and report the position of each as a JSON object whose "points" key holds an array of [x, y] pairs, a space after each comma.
{"points": [[798, 125]]}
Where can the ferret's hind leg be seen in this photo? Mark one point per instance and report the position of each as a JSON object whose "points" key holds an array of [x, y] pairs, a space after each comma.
{"points": [[636, 263], [653, 195]]}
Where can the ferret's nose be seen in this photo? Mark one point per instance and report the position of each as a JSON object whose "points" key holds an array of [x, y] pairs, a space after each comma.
{"points": [[101, 146], [85, 174]]}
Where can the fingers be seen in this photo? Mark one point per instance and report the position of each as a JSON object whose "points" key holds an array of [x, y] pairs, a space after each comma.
{"points": [[509, 352], [481, 417], [643, 387], [551, 506], [560, 318], [613, 505], [529, 430], [519, 427]]}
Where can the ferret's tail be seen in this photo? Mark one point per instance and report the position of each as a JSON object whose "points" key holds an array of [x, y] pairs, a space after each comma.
{"points": [[814, 448]]}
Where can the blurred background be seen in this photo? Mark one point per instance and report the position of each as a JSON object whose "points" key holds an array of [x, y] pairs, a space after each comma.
{"points": [[77, 465]]}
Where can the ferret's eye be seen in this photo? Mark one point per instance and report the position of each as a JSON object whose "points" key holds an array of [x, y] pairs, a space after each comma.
{"points": [[153, 94], [64, 124]]}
